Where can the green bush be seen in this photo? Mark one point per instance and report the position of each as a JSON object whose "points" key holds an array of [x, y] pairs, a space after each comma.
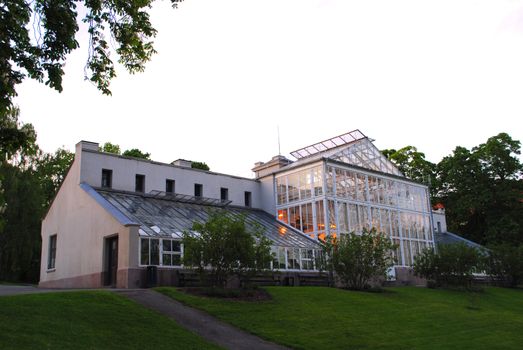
{"points": [[505, 263], [224, 246], [449, 265], [357, 259]]}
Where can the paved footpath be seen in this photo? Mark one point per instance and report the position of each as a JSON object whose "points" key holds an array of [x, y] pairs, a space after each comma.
{"points": [[12, 289], [200, 322]]}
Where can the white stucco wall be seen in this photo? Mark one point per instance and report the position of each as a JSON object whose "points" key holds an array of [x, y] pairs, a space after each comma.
{"points": [[439, 216], [81, 225], [125, 169], [268, 201]]}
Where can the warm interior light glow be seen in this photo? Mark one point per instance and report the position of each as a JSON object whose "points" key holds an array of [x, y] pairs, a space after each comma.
{"points": [[321, 237], [283, 230]]}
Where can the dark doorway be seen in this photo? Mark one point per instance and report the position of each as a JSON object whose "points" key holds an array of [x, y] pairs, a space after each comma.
{"points": [[111, 269]]}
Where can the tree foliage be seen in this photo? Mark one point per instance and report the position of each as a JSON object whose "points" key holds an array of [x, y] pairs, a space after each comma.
{"points": [[227, 246], [113, 148], [482, 191], [200, 165], [357, 259], [36, 37], [29, 180], [16, 138], [136, 153], [505, 262], [109, 147], [450, 265], [481, 188], [412, 164]]}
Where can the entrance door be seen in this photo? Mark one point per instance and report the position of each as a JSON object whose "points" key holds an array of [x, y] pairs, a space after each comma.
{"points": [[111, 269]]}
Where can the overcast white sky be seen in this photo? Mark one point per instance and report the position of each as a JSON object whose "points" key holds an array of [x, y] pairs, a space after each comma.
{"points": [[433, 74]]}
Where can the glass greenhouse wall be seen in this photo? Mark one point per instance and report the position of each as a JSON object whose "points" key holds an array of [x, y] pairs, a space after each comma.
{"points": [[330, 198]]}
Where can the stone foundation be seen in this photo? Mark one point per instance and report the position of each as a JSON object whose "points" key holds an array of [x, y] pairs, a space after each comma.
{"points": [[94, 280]]}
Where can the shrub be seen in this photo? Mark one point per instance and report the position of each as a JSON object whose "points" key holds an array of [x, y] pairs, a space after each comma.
{"points": [[357, 259], [505, 262], [224, 246], [450, 265]]}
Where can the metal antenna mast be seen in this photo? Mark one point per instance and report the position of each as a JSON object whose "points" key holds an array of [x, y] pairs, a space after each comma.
{"points": [[279, 150]]}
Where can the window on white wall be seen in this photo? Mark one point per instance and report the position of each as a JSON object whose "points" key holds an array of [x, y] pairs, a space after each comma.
{"points": [[169, 186], [248, 199], [198, 190], [224, 194], [107, 178], [140, 183], [51, 257]]}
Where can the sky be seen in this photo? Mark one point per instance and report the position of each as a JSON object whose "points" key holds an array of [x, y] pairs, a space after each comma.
{"points": [[228, 74]]}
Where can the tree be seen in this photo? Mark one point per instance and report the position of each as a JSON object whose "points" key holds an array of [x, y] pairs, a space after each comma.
{"points": [[226, 245], [450, 265], [200, 165], [482, 191], [412, 164], [505, 262], [17, 141], [357, 259], [136, 153], [20, 241], [51, 170], [113, 148], [16, 138], [110, 148], [54, 23]]}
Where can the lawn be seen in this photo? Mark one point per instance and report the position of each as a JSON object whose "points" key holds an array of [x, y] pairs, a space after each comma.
{"points": [[400, 318], [87, 320]]}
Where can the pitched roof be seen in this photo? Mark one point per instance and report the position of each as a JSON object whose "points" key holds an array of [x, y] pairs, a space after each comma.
{"points": [[452, 238], [167, 217]]}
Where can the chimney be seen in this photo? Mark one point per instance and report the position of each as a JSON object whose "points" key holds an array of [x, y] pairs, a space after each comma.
{"points": [[86, 146], [263, 169], [183, 163]]}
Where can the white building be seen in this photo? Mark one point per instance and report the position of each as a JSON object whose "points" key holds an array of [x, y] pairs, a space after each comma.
{"points": [[114, 216]]}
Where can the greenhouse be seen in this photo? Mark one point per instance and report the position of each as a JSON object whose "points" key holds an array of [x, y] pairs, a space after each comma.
{"points": [[351, 186]]}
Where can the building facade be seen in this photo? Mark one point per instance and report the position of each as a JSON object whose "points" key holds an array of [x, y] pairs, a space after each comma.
{"points": [[114, 216]]}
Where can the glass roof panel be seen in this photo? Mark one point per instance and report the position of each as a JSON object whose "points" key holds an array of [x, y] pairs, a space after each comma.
{"points": [[364, 154], [161, 216], [334, 142]]}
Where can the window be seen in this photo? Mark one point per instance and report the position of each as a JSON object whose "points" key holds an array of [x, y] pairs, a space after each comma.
{"points": [[140, 183], [169, 186], [248, 199], [144, 251], [307, 259], [198, 190], [293, 258], [224, 194], [107, 178], [51, 257], [279, 259], [149, 251], [171, 252]]}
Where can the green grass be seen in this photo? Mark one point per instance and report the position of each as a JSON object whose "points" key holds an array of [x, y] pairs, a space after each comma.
{"points": [[87, 320], [400, 318]]}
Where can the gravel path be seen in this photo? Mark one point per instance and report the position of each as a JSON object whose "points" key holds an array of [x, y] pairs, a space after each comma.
{"points": [[200, 322]]}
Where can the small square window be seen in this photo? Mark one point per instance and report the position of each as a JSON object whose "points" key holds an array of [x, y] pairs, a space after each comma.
{"points": [[107, 178], [248, 199], [169, 186], [224, 194], [140, 183], [198, 190], [51, 257]]}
